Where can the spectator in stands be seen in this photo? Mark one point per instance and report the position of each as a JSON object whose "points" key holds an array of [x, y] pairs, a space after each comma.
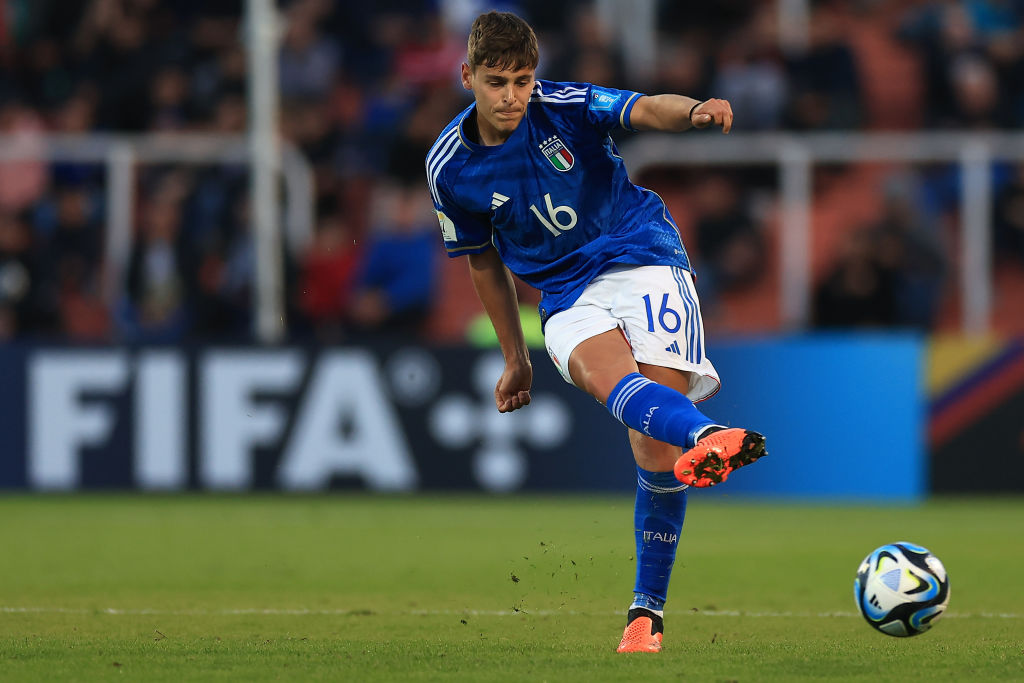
{"points": [[730, 247], [21, 312], [890, 273], [825, 81], [857, 291], [683, 67], [224, 299], [586, 49], [73, 272], [328, 272], [751, 73], [309, 60], [999, 25], [22, 182], [972, 53], [977, 102], [168, 100], [115, 51], [909, 249], [939, 33], [77, 113], [431, 110], [394, 291], [210, 76], [155, 307], [1009, 219], [359, 85]]}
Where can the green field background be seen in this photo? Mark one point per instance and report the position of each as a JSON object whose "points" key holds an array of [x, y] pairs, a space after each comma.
{"points": [[358, 587]]}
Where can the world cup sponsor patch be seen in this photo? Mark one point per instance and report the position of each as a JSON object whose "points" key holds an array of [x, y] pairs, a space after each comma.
{"points": [[601, 99], [448, 233]]}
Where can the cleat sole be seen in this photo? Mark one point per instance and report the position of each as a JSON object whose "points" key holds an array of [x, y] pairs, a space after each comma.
{"points": [[708, 464]]}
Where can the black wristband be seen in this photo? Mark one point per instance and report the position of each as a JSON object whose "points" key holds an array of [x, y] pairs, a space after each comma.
{"points": [[690, 116]]}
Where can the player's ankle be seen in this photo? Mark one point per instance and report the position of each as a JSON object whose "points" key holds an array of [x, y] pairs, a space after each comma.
{"points": [[650, 603], [704, 431]]}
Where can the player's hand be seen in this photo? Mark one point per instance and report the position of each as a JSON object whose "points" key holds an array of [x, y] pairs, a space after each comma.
{"points": [[513, 389], [713, 112]]}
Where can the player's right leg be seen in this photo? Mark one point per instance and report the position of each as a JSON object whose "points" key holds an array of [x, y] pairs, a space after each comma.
{"points": [[630, 324], [603, 365]]}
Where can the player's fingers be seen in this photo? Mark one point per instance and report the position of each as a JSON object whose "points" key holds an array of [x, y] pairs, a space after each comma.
{"points": [[727, 121], [524, 398], [702, 120]]}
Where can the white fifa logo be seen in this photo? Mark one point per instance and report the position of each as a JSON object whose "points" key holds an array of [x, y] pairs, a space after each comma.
{"points": [[551, 222]]}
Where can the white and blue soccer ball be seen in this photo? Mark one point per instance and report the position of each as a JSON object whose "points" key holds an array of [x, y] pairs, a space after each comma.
{"points": [[901, 589]]}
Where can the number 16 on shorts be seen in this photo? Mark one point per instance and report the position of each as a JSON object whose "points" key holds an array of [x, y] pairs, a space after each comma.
{"points": [[668, 318]]}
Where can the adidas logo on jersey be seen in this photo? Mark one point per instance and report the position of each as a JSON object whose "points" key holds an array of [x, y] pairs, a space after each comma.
{"points": [[497, 199], [674, 348]]}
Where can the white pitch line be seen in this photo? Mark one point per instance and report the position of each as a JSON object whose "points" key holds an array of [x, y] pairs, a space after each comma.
{"points": [[113, 611]]}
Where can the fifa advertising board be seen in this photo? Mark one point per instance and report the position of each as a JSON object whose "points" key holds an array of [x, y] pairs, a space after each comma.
{"points": [[407, 418]]}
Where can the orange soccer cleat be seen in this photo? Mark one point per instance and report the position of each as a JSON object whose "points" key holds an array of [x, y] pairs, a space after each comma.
{"points": [[716, 455], [643, 632]]}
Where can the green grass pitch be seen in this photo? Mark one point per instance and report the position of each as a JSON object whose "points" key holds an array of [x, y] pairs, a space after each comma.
{"points": [[381, 588]]}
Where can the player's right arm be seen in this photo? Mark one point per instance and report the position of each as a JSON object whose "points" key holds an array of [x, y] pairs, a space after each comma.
{"points": [[496, 289], [466, 230]]}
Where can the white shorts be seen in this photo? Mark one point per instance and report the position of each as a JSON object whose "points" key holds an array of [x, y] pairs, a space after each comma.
{"points": [[657, 310]]}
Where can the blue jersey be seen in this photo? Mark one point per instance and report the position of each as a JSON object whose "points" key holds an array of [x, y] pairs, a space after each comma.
{"points": [[555, 199]]}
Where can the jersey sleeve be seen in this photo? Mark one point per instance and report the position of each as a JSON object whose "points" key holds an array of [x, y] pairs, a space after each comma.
{"points": [[608, 109], [463, 232]]}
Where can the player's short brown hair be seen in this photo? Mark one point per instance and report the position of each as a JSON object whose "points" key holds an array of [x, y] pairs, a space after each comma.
{"points": [[502, 40]]}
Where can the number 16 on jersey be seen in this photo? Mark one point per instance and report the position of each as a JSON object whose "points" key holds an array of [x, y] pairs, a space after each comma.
{"points": [[551, 222]]}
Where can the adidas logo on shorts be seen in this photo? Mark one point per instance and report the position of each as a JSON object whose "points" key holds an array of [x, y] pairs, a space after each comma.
{"points": [[674, 348]]}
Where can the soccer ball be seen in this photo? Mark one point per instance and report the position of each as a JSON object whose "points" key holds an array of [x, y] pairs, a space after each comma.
{"points": [[901, 589]]}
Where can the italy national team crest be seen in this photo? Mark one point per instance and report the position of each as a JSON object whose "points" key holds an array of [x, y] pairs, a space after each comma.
{"points": [[557, 153]]}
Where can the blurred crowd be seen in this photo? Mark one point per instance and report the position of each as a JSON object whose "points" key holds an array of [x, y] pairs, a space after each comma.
{"points": [[366, 87]]}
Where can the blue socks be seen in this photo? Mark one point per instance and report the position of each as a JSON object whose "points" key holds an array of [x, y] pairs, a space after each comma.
{"points": [[657, 522], [666, 415], [657, 411]]}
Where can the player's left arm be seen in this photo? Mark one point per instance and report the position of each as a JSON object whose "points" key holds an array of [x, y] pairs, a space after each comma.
{"points": [[676, 113]]}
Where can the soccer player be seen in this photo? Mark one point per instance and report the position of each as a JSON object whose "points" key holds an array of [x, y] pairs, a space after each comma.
{"points": [[526, 179]]}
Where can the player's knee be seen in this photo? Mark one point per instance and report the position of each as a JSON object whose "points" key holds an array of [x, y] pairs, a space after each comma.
{"points": [[651, 454], [594, 382]]}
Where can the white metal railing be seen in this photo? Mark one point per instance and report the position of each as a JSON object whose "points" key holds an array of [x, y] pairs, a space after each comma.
{"points": [[795, 155], [263, 33], [122, 153]]}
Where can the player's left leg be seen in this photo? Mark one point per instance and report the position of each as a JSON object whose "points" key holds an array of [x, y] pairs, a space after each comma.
{"points": [[658, 514]]}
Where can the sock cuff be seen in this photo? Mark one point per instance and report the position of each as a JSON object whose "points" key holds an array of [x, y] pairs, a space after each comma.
{"points": [[703, 430], [626, 389], [658, 482], [651, 603]]}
